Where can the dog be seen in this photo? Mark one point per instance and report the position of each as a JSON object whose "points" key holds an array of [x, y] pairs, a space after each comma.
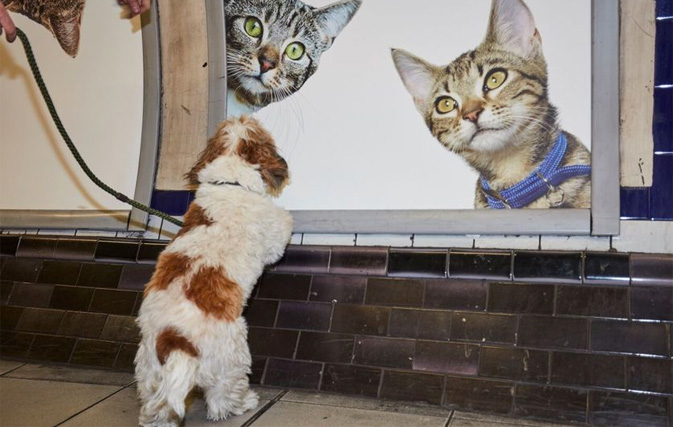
{"points": [[190, 320]]}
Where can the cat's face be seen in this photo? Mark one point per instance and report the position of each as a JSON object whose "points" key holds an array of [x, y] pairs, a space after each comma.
{"points": [[482, 100], [273, 47]]}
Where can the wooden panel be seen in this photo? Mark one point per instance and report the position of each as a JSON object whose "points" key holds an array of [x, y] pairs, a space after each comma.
{"points": [[184, 58], [638, 29]]}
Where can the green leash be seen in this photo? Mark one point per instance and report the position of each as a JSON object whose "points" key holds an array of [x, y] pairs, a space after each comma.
{"points": [[64, 134]]}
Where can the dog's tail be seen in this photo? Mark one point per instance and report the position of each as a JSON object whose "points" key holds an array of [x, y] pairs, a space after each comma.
{"points": [[179, 377]]}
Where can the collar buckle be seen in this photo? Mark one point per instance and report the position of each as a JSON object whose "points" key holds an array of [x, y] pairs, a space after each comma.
{"points": [[553, 192]]}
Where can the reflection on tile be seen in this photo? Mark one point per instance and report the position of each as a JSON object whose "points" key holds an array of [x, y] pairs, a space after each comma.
{"points": [[551, 402], [338, 289], [461, 359], [426, 324], [479, 327], [479, 395], [512, 298], [609, 269], [316, 346], [397, 292], [562, 267], [135, 277], [272, 342], [75, 249], [284, 286], [36, 247], [87, 325], [652, 303], [394, 353], [353, 380], [15, 344], [629, 337], [357, 319], [547, 332], [31, 295], [71, 375], [592, 301], [654, 270], [39, 320], [52, 349], [119, 251], [654, 375], [412, 387], [363, 261], [305, 316], [59, 272], [480, 264], [417, 263], [515, 364], [149, 252], [305, 259], [617, 408], [285, 373], [455, 294], [586, 370], [21, 270]]}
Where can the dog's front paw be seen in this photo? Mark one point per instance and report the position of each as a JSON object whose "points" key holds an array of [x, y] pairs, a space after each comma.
{"points": [[250, 401], [217, 415]]}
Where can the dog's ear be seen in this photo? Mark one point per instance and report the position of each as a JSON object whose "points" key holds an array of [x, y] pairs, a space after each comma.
{"points": [[272, 167], [217, 146], [275, 174]]}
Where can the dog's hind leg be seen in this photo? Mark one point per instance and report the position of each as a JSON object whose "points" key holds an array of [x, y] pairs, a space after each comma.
{"points": [[231, 395]]}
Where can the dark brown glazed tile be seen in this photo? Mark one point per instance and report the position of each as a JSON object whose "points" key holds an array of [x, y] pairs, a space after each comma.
{"points": [[31, 295], [71, 298], [99, 275], [126, 356], [135, 276], [494, 265], [357, 319], [272, 342], [397, 292], [285, 373], [8, 245], [284, 286], [121, 328], [361, 261], [653, 375], [39, 320], [652, 303], [36, 247], [5, 291], [647, 270], [461, 359], [21, 270], [353, 380], [417, 263], [59, 272], [551, 402], [9, 317], [338, 289], [491, 328], [555, 267], [409, 386], [260, 312], [611, 409], [592, 301], [15, 344], [75, 249], [305, 316], [455, 294], [258, 366], [515, 364], [321, 347], [95, 353], [116, 251], [384, 352], [512, 298], [479, 395], [149, 251], [426, 324], [305, 259], [552, 333], [607, 269], [85, 325], [113, 302], [52, 349], [588, 370], [629, 337]]}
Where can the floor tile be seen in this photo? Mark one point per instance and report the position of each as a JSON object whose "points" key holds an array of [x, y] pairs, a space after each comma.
{"points": [[196, 416], [291, 414], [8, 365], [72, 375], [45, 403], [466, 419], [122, 409]]}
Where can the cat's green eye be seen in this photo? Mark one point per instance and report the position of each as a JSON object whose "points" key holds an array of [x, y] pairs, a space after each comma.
{"points": [[445, 105], [253, 27], [495, 79], [295, 51]]}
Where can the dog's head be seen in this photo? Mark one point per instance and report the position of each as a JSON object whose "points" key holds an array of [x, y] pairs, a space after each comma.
{"points": [[241, 151]]}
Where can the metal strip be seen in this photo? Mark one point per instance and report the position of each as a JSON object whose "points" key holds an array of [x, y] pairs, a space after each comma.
{"points": [[217, 64]]}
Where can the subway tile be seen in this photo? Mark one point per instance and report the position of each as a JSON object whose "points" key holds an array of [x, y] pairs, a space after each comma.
{"points": [[359, 260], [323, 347], [650, 375], [386, 240], [59, 272], [442, 241], [383, 352], [8, 245], [305, 316], [655, 270], [138, 303], [135, 276], [610, 409], [21, 270], [592, 301], [257, 369], [479, 395], [5, 291], [36, 247], [552, 333], [84, 325], [356, 319], [338, 289], [317, 239], [99, 275], [662, 128], [31, 295], [556, 267], [629, 337], [261, 312], [480, 264], [517, 298], [411, 386], [353, 380], [126, 357], [397, 292], [507, 242], [285, 373], [75, 249], [113, 301], [451, 358], [606, 269], [425, 324], [588, 370], [71, 298], [149, 252], [285, 286], [95, 353], [652, 237], [555, 403], [305, 259], [661, 194], [170, 202], [634, 203], [574, 243], [514, 364], [169, 230], [116, 251], [39, 320], [52, 349], [15, 344], [417, 263], [272, 342], [652, 303], [486, 328], [455, 294], [664, 52], [9, 317], [121, 328]]}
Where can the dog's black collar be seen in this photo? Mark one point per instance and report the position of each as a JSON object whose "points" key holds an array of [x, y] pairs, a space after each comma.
{"points": [[235, 183]]}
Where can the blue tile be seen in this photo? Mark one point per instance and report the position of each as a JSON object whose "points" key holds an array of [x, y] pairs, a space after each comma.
{"points": [[661, 194], [171, 202], [664, 8], [635, 203], [664, 53], [663, 120]]}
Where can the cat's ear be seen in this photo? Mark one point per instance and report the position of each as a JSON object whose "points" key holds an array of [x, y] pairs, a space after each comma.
{"points": [[418, 76], [67, 32], [513, 28], [334, 18]]}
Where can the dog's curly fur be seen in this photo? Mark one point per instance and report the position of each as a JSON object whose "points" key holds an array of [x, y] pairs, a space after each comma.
{"points": [[190, 319]]}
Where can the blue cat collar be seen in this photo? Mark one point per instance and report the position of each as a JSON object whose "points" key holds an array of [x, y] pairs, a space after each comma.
{"points": [[544, 181]]}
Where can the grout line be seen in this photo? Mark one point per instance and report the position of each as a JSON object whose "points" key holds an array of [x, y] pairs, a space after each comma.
{"points": [[12, 370], [449, 419], [94, 404], [264, 408]]}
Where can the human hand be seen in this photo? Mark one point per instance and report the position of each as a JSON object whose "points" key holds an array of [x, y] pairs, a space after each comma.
{"points": [[7, 24], [137, 6]]}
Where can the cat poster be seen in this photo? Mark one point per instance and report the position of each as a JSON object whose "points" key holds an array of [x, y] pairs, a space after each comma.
{"points": [[422, 127]]}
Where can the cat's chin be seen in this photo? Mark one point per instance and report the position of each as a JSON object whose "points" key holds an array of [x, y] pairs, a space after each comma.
{"points": [[489, 140]]}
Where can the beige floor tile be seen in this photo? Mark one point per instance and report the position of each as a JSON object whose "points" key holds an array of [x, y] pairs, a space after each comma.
{"points": [[196, 416], [291, 414], [45, 403], [122, 409], [73, 375], [467, 419], [8, 365]]}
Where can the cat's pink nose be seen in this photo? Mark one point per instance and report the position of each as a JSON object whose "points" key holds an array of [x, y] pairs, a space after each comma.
{"points": [[473, 115], [265, 65]]}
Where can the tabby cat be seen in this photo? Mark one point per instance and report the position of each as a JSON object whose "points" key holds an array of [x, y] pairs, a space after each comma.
{"points": [[62, 17], [274, 46], [491, 107]]}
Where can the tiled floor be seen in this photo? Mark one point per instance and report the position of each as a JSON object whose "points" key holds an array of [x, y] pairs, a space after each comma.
{"points": [[39, 395]]}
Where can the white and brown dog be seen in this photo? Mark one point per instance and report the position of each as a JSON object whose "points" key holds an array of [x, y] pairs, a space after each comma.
{"points": [[193, 334]]}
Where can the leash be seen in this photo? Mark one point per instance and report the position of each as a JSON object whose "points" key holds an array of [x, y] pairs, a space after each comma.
{"points": [[64, 134]]}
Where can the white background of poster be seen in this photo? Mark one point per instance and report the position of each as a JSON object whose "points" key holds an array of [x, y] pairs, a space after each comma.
{"points": [[99, 96], [352, 136]]}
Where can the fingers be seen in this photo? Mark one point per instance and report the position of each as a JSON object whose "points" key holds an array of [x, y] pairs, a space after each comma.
{"points": [[7, 24], [137, 6]]}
